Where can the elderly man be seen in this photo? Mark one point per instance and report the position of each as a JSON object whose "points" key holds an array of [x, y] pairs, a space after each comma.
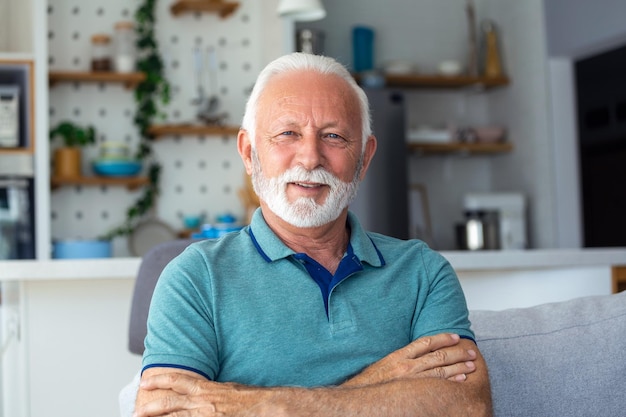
{"points": [[303, 313]]}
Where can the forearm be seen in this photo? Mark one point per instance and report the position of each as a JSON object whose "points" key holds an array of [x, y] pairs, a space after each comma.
{"points": [[407, 397], [401, 397], [421, 379]]}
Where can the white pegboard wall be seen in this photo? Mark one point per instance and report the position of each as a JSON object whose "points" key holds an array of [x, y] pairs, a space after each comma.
{"points": [[200, 175]]}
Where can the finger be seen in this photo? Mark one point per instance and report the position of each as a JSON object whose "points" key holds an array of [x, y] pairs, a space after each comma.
{"points": [[458, 371], [445, 357], [179, 383], [424, 345], [179, 405]]}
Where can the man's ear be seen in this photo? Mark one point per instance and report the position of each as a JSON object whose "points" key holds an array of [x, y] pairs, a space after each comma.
{"points": [[244, 147], [370, 150]]}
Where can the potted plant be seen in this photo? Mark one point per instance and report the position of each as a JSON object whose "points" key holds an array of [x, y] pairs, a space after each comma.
{"points": [[67, 158]]}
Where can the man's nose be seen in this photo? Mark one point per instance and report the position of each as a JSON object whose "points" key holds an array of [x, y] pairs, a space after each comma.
{"points": [[310, 152]]}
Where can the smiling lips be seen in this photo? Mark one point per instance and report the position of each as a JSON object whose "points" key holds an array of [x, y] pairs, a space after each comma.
{"points": [[308, 185]]}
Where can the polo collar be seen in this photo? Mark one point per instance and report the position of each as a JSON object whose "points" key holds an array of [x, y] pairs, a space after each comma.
{"points": [[271, 248]]}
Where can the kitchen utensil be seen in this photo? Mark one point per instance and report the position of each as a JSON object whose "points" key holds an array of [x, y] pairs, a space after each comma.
{"points": [[310, 41], [208, 106], [192, 222], [400, 67], [489, 134], [480, 231], [213, 101], [511, 209], [114, 150], [198, 67], [116, 168], [472, 58], [450, 68], [149, 233]]}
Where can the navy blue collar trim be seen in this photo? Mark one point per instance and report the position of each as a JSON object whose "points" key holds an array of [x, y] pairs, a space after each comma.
{"points": [[170, 365], [258, 246], [380, 255]]}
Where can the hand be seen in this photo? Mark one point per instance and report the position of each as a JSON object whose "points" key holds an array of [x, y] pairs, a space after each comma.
{"points": [[439, 356], [188, 395]]}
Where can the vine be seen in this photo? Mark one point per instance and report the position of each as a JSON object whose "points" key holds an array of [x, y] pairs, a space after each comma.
{"points": [[152, 90]]}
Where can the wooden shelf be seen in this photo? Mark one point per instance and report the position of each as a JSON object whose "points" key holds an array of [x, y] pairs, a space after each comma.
{"points": [[460, 148], [223, 8], [130, 79], [440, 81], [192, 130], [132, 183], [17, 151]]}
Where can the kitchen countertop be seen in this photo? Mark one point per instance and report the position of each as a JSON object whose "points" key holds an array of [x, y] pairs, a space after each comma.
{"points": [[124, 268]]}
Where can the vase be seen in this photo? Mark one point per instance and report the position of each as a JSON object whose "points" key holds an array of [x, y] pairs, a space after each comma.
{"points": [[67, 163]]}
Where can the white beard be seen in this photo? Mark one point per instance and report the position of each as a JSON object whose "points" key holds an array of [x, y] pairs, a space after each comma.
{"points": [[304, 212]]}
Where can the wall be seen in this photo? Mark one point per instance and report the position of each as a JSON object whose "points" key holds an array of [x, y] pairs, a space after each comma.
{"points": [[200, 175], [579, 27], [15, 26]]}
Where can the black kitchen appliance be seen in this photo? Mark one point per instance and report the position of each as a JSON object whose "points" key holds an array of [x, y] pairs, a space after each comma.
{"points": [[17, 202], [382, 200]]}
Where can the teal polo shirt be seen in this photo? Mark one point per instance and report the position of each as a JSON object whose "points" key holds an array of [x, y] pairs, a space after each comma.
{"points": [[246, 308]]}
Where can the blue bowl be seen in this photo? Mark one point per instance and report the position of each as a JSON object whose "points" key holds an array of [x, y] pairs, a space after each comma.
{"points": [[116, 168]]}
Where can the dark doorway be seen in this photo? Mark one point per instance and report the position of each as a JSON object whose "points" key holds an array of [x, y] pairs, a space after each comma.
{"points": [[601, 90]]}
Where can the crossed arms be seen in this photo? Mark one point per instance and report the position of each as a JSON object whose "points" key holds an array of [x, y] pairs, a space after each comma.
{"points": [[432, 376]]}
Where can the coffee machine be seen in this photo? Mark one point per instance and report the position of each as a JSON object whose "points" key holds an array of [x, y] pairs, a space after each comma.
{"points": [[511, 215]]}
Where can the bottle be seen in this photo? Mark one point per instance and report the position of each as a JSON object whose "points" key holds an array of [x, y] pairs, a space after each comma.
{"points": [[100, 52], [363, 48], [493, 65], [124, 47]]}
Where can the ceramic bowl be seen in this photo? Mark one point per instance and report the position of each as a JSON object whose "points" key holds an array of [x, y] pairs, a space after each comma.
{"points": [[115, 168], [489, 134]]}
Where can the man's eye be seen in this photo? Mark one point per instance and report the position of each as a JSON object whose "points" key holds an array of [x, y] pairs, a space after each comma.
{"points": [[288, 133], [334, 137]]}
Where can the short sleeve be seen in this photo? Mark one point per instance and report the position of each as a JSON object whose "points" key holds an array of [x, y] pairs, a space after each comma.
{"points": [[180, 322], [443, 309]]}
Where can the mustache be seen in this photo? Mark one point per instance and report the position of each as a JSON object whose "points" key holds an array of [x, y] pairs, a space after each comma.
{"points": [[317, 175]]}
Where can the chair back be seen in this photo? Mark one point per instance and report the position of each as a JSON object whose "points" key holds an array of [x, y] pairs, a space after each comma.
{"points": [[150, 269]]}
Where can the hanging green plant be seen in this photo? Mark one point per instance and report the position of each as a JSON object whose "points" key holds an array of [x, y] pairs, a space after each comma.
{"points": [[149, 94]]}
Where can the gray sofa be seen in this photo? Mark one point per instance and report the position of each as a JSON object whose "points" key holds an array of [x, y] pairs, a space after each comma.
{"points": [[558, 359], [561, 359]]}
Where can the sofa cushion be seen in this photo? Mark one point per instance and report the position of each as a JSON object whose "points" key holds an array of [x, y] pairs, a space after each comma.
{"points": [[558, 359]]}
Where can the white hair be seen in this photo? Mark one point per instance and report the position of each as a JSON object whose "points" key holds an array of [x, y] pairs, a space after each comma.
{"points": [[298, 61]]}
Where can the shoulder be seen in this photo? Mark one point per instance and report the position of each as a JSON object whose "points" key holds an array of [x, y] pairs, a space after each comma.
{"points": [[203, 256], [416, 249]]}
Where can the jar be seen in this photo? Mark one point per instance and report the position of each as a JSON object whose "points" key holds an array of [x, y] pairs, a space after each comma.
{"points": [[124, 47], [101, 52]]}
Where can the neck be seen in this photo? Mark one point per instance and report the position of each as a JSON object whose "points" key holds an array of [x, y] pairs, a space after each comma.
{"points": [[326, 244]]}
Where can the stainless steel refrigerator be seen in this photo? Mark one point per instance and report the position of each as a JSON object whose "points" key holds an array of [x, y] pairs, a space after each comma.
{"points": [[382, 199]]}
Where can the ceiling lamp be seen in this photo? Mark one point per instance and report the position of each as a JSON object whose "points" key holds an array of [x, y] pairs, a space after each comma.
{"points": [[302, 10]]}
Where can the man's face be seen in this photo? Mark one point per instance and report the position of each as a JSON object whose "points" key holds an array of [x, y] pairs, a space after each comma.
{"points": [[304, 211], [306, 166]]}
